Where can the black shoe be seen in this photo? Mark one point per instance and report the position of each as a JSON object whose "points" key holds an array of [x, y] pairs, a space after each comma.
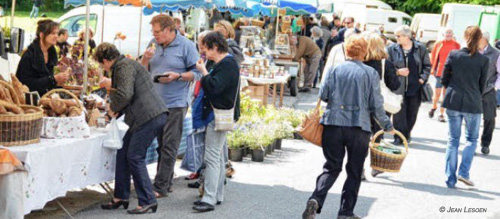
{"points": [[441, 118], [311, 209], [376, 172], [114, 205], [397, 141], [304, 90], [144, 209], [194, 185], [431, 113], [199, 202], [485, 150], [203, 207]]}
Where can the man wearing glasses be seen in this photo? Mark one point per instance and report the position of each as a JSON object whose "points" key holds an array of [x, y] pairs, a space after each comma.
{"points": [[171, 58], [348, 23]]}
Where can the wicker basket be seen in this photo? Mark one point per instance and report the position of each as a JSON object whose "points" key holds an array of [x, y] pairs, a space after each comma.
{"points": [[65, 127], [387, 162], [21, 129]]}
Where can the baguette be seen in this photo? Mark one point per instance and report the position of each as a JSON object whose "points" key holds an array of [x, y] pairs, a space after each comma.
{"points": [[11, 107], [18, 87], [2, 110]]}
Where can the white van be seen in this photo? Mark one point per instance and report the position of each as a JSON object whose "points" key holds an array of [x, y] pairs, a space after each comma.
{"points": [[348, 6], [373, 18], [109, 20], [426, 28], [458, 17]]}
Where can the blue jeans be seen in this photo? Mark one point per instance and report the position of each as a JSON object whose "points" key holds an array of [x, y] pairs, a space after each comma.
{"points": [[472, 122], [34, 12], [131, 160]]}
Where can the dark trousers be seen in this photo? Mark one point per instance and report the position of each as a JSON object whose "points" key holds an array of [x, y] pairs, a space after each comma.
{"points": [[405, 119], [131, 160], [489, 115], [336, 140], [167, 150]]}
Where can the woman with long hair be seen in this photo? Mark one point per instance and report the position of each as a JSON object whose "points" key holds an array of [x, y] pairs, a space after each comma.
{"points": [[464, 77], [36, 68]]}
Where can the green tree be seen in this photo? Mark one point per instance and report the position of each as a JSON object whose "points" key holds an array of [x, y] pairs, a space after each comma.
{"points": [[431, 6]]}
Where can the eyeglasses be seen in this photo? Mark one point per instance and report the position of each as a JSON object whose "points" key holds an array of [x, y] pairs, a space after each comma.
{"points": [[157, 31]]}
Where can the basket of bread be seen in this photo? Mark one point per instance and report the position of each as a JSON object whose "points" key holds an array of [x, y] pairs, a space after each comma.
{"points": [[63, 115], [20, 124]]}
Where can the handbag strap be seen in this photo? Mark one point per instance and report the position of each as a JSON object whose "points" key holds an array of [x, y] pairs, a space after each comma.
{"points": [[382, 81], [235, 96], [318, 105]]}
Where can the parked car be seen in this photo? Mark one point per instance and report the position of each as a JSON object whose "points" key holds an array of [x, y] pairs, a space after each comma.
{"points": [[426, 28]]}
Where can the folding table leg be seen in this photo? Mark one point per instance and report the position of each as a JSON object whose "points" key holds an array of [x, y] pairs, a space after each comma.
{"points": [[65, 210]]}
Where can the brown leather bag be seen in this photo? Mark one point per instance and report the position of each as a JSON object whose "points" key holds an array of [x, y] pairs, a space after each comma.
{"points": [[311, 130]]}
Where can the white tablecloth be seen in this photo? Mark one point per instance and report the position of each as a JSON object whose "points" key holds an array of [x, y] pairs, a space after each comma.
{"points": [[56, 166]]}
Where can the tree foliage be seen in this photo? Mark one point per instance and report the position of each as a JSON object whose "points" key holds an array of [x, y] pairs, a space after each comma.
{"points": [[27, 5], [431, 6]]}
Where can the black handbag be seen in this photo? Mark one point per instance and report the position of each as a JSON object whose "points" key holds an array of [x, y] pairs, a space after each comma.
{"points": [[427, 93]]}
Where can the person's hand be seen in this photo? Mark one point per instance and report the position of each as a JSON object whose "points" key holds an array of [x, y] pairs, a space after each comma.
{"points": [[421, 81], [105, 83], [403, 72], [200, 65], [150, 52], [171, 76], [61, 78], [392, 132]]}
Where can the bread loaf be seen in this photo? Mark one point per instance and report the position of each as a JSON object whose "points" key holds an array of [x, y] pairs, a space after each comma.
{"points": [[8, 97], [18, 87], [58, 106], [74, 111], [44, 102], [11, 107], [70, 103], [3, 110]]}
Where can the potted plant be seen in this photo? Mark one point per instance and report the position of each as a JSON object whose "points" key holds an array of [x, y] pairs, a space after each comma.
{"points": [[235, 140]]}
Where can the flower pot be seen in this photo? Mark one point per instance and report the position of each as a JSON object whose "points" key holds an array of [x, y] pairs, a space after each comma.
{"points": [[236, 154], [269, 149], [244, 151], [258, 155], [277, 146], [273, 146], [297, 136]]}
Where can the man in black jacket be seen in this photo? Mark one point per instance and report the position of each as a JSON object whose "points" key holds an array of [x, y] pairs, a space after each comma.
{"points": [[489, 94]]}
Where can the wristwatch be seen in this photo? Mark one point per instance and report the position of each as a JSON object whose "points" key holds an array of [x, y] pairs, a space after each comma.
{"points": [[180, 77]]}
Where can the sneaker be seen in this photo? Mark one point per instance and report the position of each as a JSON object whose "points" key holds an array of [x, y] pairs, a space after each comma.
{"points": [[311, 208], [465, 181], [376, 172], [431, 113], [349, 217], [485, 150], [441, 118]]}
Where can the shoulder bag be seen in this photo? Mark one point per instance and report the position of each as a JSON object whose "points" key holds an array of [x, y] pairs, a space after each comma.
{"points": [[224, 118], [311, 130], [392, 101]]}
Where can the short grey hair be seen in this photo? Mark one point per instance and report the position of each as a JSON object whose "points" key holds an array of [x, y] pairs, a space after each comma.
{"points": [[349, 32], [404, 30], [203, 34], [317, 31], [486, 35]]}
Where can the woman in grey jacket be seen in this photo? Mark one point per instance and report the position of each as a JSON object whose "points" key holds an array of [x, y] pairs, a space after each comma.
{"points": [[132, 93], [352, 91]]}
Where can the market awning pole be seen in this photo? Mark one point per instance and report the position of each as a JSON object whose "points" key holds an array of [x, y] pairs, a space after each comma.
{"points": [[140, 33], [86, 50], [102, 29], [12, 13], [277, 21]]}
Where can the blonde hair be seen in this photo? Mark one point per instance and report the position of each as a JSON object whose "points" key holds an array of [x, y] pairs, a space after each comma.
{"points": [[228, 27], [376, 47], [81, 34], [356, 47]]}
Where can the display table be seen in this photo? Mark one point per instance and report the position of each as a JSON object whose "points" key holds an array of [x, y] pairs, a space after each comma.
{"points": [[265, 83], [55, 166]]}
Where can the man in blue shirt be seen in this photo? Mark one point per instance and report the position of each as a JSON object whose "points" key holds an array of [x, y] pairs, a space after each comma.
{"points": [[171, 59]]}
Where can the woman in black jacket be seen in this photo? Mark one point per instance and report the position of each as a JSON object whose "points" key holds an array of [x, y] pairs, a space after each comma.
{"points": [[464, 77], [220, 87], [412, 59], [376, 57], [36, 68]]}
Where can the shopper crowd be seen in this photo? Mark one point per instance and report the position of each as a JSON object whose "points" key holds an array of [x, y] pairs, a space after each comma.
{"points": [[352, 65]]}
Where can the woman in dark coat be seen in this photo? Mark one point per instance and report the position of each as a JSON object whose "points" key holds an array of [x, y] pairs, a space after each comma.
{"points": [[465, 76], [36, 68]]}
